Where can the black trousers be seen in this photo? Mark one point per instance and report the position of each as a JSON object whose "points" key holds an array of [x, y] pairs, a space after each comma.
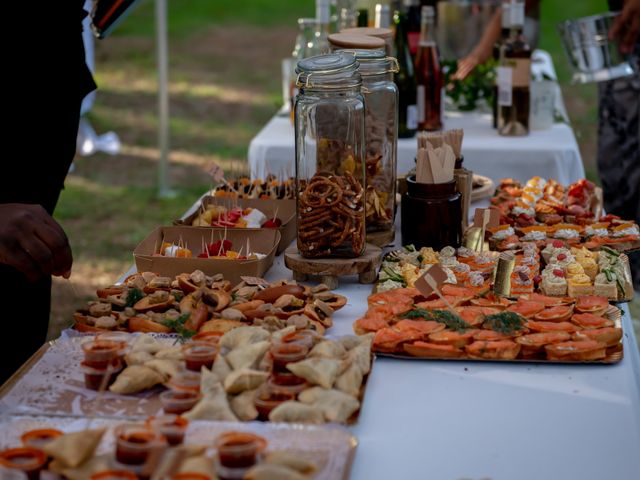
{"points": [[25, 319]]}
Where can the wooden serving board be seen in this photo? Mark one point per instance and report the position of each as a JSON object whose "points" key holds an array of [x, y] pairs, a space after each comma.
{"points": [[330, 269]]}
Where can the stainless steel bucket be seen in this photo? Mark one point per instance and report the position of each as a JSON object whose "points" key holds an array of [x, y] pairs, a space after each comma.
{"points": [[593, 56]]}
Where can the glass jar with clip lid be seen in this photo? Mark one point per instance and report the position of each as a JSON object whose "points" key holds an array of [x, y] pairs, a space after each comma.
{"points": [[381, 141], [330, 179]]}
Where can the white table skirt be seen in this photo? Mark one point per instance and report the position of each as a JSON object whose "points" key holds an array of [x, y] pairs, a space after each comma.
{"points": [[549, 153]]}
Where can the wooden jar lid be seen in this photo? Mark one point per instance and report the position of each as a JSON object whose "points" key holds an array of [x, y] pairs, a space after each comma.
{"points": [[383, 33], [343, 40]]}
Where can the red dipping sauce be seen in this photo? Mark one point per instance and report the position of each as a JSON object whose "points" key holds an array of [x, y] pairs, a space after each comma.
{"points": [[94, 378], [268, 398], [172, 427], [199, 354], [134, 443], [239, 450], [101, 353], [178, 402], [284, 353], [114, 475]]}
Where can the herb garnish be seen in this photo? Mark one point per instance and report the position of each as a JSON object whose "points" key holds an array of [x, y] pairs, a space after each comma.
{"points": [[504, 322], [178, 326], [450, 320], [133, 296], [396, 277]]}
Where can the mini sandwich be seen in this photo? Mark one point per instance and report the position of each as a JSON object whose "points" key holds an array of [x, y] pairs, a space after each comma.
{"points": [[579, 285]]}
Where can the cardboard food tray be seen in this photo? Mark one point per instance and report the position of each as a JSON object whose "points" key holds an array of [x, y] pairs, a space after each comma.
{"points": [[285, 208], [614, 354], [261, 240], [331, 447]]}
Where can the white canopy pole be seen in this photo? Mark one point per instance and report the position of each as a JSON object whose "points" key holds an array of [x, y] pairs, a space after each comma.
{"points": [[163, 98]]}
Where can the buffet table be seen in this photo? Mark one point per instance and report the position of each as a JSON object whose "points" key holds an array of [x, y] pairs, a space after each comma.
{"points": [[553, 153], [473, 420]]}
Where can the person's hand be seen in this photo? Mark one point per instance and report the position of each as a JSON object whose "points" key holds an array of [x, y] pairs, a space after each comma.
{"points": [[466, 65], [626, 27], [32, 242]]}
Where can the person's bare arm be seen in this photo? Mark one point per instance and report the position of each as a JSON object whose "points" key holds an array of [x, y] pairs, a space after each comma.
{"points": [[627, 26], [32, 242], [483, 49]]}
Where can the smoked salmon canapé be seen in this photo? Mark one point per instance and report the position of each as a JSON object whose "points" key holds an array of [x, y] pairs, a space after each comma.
{"points": [[592, 304]]}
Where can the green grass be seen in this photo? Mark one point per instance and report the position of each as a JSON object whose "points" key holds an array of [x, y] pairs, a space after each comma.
{"points": [[190, 16], [96, 210]]}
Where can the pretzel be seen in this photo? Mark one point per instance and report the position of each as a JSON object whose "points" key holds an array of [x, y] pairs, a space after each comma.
{"points": [[332, 218]]}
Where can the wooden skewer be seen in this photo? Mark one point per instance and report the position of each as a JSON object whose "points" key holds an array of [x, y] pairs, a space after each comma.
{"points": [[431, 282]]}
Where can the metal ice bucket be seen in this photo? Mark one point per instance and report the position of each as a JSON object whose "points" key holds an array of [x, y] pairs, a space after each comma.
{"points": [[593, 56]]}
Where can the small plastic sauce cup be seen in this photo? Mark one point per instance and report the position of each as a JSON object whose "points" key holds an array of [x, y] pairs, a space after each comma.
{"points": [[135, 442], [40, 437], [207, 337], [267, 398], [177, 402], [186, 382], [94, 378], [308, 338], [284, 353], [173, 427], [239, 450], [26, 459], [199, 354], [101, 353], [114, 475]]}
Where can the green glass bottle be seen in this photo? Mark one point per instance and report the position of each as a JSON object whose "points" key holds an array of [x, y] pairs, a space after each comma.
{"points": [[405, 80]]}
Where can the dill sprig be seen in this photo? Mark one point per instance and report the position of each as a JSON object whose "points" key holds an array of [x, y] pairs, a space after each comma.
{"points": [[504, 322], [449, 319], [133, 296], [177, 325]]}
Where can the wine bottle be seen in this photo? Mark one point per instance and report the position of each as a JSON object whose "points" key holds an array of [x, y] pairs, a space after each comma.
{"points": [[514, 77], [412, 9], [429, 76], [405, 80]]}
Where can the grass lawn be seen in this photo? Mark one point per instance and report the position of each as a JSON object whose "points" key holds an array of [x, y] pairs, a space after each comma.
{"points": [[224, 85]]}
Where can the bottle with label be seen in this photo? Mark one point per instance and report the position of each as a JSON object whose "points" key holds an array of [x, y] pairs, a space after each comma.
{"points": [[513, 77], [429, 75], [504, 35], [405, 80]]}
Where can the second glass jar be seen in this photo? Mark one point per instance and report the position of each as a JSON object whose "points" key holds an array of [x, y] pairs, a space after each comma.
{"points": [[381, 140], [330, 167]]}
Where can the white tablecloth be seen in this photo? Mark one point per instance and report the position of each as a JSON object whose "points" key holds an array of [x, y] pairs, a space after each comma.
{"points": [[551, 153], [470, 420]]}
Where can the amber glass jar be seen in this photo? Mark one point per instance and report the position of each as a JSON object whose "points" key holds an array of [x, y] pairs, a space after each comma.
{"points": [[431, 215], [330, 180]]}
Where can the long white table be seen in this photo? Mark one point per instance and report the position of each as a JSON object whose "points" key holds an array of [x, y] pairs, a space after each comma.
{"points": [[503, 421], [550, 153]]}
